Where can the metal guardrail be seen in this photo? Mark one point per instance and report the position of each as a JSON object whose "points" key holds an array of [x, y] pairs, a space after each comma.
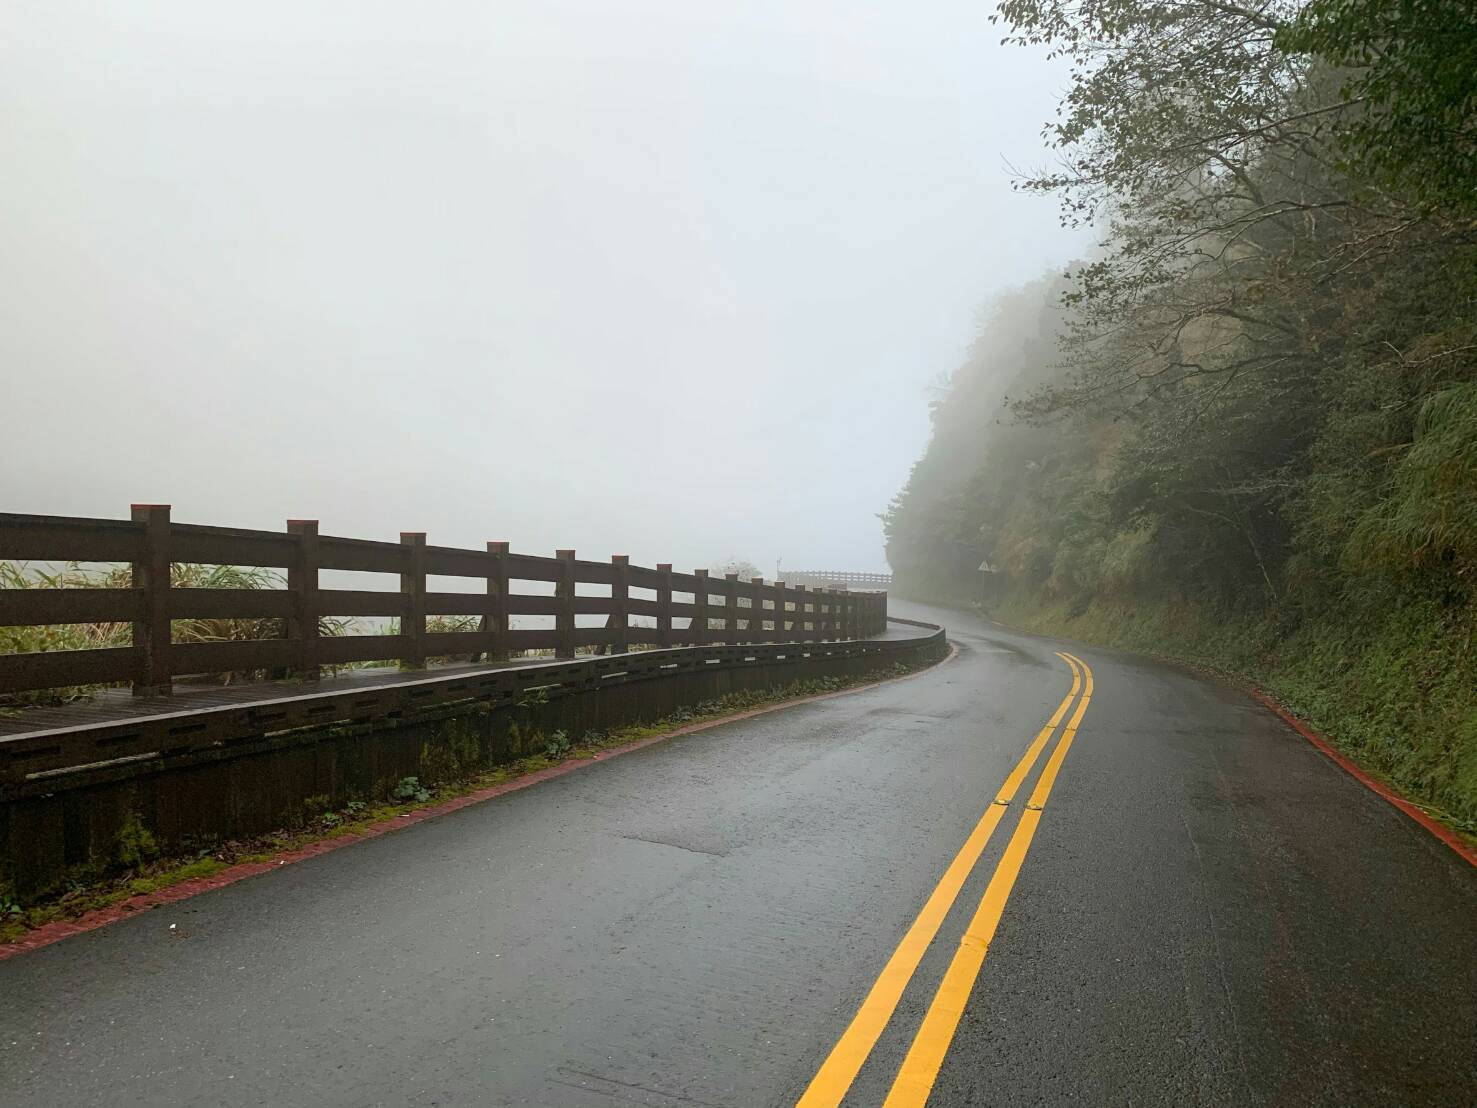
{"points": [[842, 579]]}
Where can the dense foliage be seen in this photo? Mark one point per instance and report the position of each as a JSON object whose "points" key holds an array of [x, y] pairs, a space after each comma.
{"points": [[1414, 62], [1245, 429]]}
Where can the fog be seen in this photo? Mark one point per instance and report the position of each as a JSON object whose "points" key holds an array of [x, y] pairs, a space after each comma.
{"points": [[662, 279]]}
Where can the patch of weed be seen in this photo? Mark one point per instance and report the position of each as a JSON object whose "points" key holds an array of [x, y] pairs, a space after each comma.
{"points": [[410, 788]]}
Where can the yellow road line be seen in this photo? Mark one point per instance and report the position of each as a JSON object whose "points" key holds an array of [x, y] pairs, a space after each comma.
{"points": [[921, 1067], [845, 1060]]}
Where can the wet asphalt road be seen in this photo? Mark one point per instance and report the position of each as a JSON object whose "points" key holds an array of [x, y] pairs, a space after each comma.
{"points": [[1209, 913]]}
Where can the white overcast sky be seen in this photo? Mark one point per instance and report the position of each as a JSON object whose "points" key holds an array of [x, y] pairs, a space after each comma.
{"points": [[660, 278]]}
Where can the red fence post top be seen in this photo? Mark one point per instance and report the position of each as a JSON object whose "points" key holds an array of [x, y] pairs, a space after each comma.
{"points": [[620, 559], [155, 514], [730, 576], [664, 567], [699, 573], [413, 538], [303, 524], [497, 548]]}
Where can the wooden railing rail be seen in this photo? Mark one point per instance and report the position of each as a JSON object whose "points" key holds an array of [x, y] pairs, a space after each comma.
{"points": [[727, 611]]}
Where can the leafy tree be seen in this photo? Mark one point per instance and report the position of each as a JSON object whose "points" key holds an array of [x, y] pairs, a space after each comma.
{"points": [[1412, 72], [742, 566], [1253, 408]]}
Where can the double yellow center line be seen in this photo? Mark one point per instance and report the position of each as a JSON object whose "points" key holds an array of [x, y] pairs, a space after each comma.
{"points": [[921, 1066]]}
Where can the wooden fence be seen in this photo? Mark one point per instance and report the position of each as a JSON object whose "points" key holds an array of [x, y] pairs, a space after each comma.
{"points": [[718, 610]]}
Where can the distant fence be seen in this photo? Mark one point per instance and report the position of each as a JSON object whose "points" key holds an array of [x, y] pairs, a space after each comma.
{"points": [[719, 610], [838, 579]]}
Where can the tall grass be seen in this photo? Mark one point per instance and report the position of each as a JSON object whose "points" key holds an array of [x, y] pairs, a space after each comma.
{"points": [[91, 636], [68, 636]]}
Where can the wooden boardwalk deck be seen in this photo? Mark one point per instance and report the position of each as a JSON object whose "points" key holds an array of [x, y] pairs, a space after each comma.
{"points": [[109, 706], [115, 706], [114, 731]]}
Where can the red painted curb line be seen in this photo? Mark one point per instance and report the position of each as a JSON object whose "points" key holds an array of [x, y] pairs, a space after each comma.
{"points": [[58, 930], [1434, 826]]}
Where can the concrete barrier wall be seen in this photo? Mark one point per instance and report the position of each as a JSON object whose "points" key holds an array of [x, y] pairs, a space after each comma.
{"points": [[88, 823]]}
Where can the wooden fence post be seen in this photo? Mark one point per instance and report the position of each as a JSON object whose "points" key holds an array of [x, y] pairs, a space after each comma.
{"points": [[699, 630], [413, 592], [302, 582], [620, 595], [664, 604], [756, 613], [730, 608], [151, 632], [779, 611], [802, 619], [564, 617], [496, 620]]}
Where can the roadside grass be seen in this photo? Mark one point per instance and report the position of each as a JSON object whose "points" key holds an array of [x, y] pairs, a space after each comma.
{"points": [[92, 636], [87, 893]]}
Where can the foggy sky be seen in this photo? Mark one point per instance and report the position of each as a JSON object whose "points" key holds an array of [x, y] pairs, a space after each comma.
{"points": [[666, 279]]}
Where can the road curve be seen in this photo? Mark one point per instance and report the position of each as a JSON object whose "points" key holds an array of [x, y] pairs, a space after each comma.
{"points": [[1204, 910]]}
